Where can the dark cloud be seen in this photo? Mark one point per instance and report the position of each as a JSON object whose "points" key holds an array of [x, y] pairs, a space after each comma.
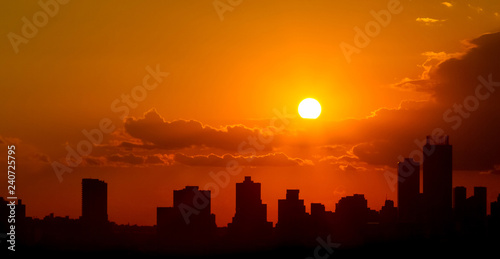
{"points": [[24, 151], [154, 131], [376, 152], [272, 159], [335, 150], [461, 107], [348, 162], [154, 159], [94, 161], [130, 145], [344, 159], [351, 168], [464, 100], [129, 159], [450, 77]]}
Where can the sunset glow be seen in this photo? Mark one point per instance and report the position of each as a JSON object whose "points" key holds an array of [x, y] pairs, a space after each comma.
{"points": [[309, 108], [325, 97]]}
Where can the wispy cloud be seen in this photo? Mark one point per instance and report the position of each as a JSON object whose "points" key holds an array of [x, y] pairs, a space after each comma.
{"points": [[271, 159], [429, 21], [447, 4]]}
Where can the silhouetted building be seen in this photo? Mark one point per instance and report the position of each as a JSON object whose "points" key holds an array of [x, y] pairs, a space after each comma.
{"points": [[353, 208], [94, 201], [494, 219], [408, 190], [437, 172], [188, 228], [475, 212], [387, 229], [470, 213], [20, 210], [351, 216], [292, 216], [459, 207], [321, 220], [495, 208], [317, 210], [190, 217], [250, 219], [480, 202], [167, 220], [388, 213]]}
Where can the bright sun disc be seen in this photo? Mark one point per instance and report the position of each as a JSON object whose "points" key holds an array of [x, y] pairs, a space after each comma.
{"points": [[309, 109]]}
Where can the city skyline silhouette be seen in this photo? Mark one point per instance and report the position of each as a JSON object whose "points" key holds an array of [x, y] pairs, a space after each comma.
{"points": [[429, 216]]}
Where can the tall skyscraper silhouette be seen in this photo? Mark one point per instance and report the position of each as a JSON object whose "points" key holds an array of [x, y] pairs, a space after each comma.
{"points": [[291, 210], [437, 172], [388, 213], [408, 190], [250, 219], [94, 201], [292, 216]]}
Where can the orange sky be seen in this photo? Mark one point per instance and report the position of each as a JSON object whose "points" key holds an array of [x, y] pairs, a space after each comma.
{"points": [[226, 80]]}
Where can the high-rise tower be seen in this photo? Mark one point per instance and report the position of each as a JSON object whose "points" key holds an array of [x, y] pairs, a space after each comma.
{"points": [[94, 201], [437, 172], [251, 215], [408, 190]]}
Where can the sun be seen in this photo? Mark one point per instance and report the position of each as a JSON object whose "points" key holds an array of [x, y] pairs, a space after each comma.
{"points": [[309, 108]]}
